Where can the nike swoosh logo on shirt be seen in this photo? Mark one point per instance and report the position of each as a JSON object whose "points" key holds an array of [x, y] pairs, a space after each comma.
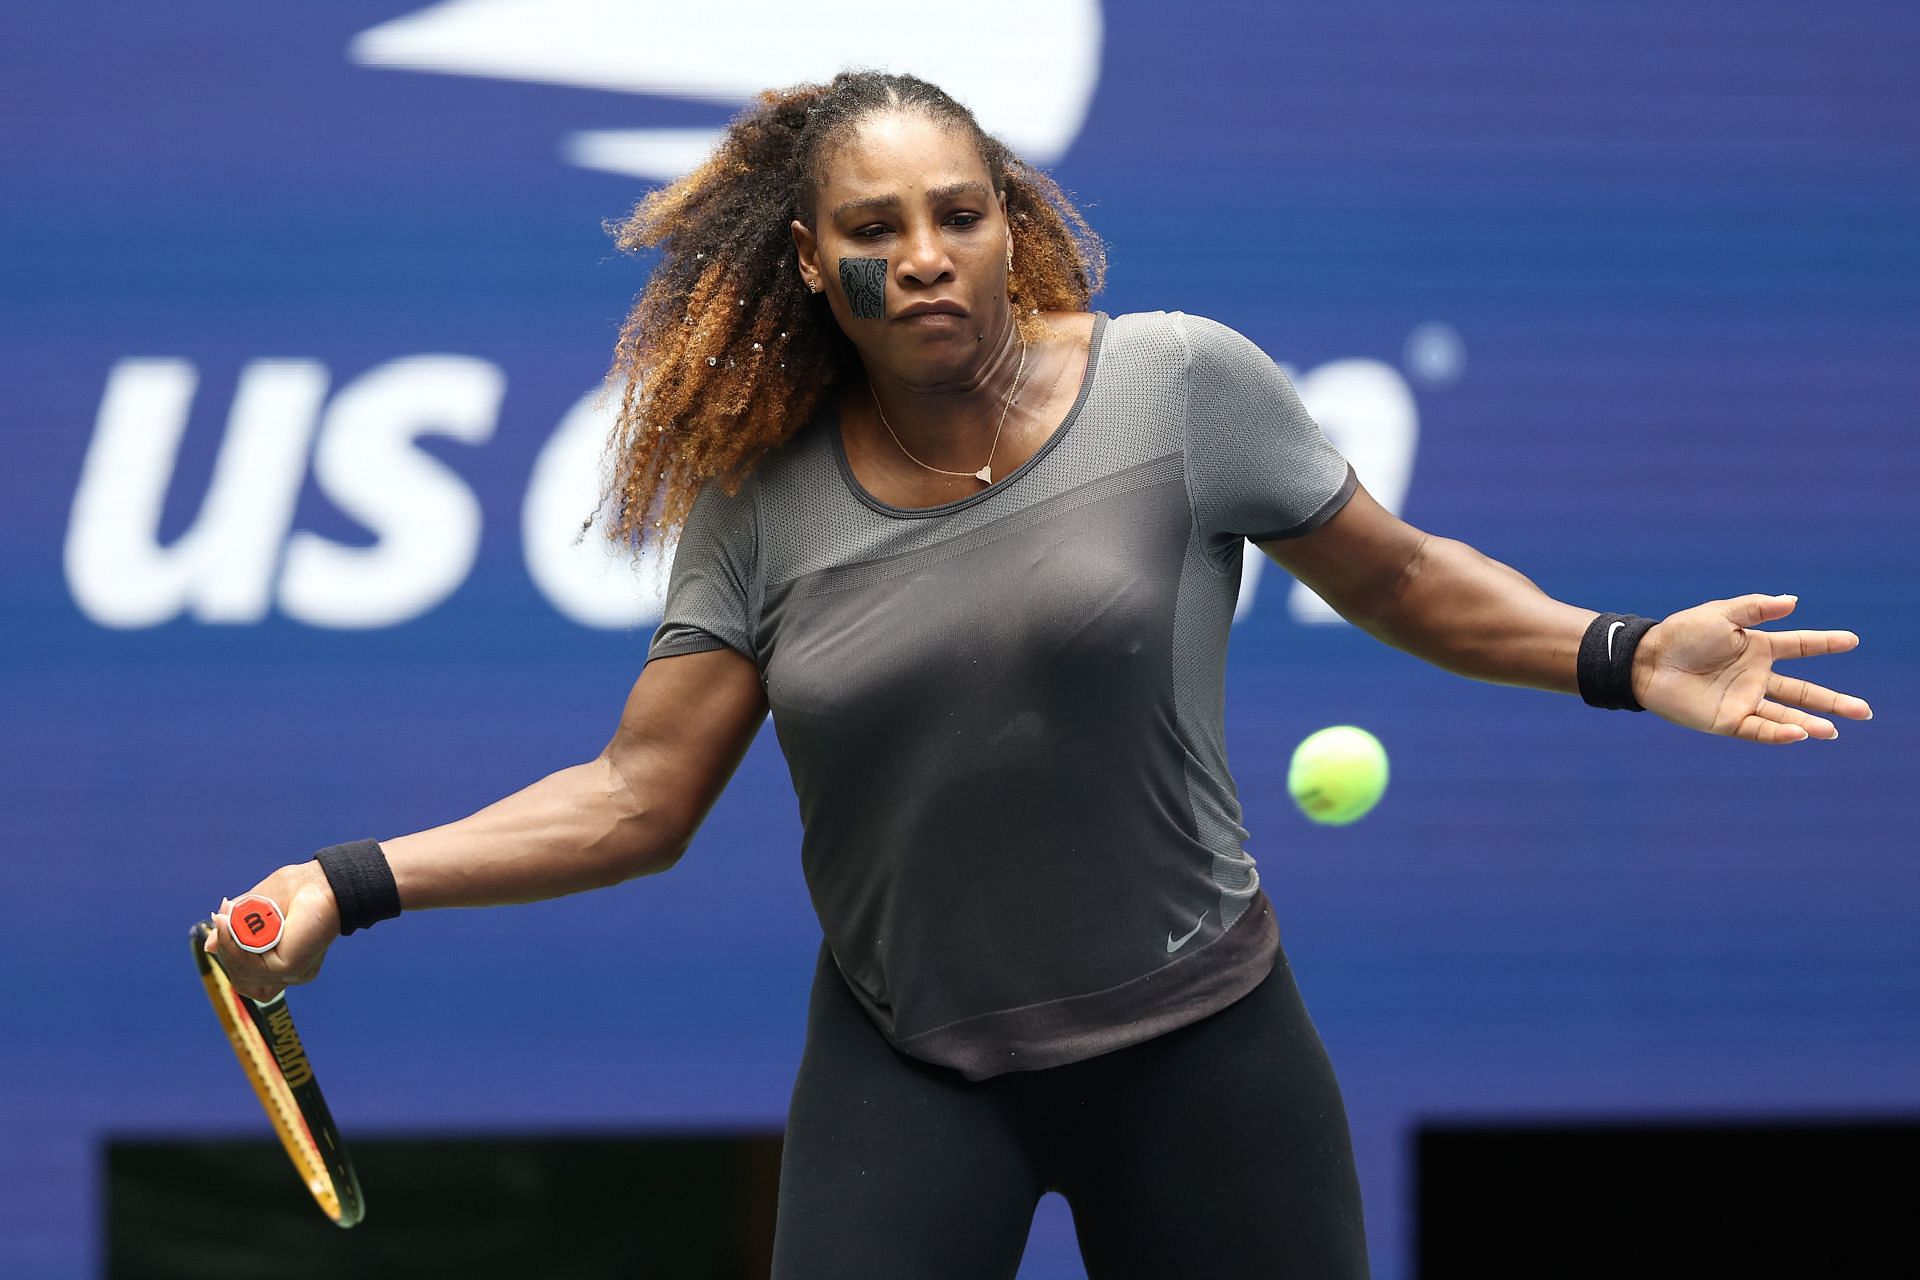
{"points": [[1173, 946], [1610, 630]]}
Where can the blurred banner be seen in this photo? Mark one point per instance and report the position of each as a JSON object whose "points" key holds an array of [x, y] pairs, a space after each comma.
{"points": [[302, 310]]}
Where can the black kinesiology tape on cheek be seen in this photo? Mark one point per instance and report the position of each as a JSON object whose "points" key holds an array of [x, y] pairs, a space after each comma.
{"points": [[865, 283]]}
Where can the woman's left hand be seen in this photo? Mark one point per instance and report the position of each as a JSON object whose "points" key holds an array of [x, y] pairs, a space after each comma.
{"points": [[1707, 668]]}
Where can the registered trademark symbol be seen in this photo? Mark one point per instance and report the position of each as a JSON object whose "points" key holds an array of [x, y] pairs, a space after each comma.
{"points": [[1434, 354]]}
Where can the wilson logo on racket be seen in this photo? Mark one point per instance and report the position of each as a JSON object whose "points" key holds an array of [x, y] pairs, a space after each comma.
{"points": [[256, 921], [287, 1049]]}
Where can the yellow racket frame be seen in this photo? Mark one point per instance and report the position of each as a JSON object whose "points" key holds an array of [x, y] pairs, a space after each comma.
{"points": [[284, 1083]]}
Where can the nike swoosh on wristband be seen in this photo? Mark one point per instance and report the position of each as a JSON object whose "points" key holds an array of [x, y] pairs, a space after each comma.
{"points": [[1610, 630], [1173, 946]]}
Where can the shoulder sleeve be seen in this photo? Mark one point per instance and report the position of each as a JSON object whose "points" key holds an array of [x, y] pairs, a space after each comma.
{"points": [[1258, 466], [713, 597]]}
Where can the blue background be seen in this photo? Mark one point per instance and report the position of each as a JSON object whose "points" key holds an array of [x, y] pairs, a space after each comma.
{"points": [[1678, 244]]}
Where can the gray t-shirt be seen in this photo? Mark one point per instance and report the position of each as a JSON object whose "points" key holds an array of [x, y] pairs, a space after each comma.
{"points": [[1004, 715]]}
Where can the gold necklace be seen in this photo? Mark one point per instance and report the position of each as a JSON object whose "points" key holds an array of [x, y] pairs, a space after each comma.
{"points": [[984, 473]]}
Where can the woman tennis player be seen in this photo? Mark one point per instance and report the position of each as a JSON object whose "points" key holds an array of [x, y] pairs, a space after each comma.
{"points": [[977, 549]]}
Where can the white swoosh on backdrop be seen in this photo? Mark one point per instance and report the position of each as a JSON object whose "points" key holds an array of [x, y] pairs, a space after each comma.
{"points": [[1027, 71]]}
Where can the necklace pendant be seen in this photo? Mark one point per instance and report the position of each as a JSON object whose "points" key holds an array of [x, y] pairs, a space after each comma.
{"points": [[985, 473]]}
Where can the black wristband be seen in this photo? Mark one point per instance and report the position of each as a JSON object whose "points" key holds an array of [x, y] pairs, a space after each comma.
{"points": [[1605, 664], [362, 882]]}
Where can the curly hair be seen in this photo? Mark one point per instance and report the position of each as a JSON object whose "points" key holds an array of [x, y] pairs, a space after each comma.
{"points": [[726, 354]]}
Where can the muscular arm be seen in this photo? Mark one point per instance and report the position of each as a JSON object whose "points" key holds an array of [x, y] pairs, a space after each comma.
{"points": [[1438, 598], [630, 811], [1708, 668]]}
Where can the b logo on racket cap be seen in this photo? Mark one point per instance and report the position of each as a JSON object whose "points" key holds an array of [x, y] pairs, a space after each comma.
{"points": [[255, 921]]}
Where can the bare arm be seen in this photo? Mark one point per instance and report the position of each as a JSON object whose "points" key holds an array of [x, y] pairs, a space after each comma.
{"points": [[1708, 667], [630, 811], [1437, 598]]}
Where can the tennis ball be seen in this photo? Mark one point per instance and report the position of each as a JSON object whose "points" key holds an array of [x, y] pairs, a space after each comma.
{"points": [[1338, 774]]}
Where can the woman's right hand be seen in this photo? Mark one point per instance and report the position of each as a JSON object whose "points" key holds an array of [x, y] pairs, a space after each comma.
{"points": [[311, 923]]}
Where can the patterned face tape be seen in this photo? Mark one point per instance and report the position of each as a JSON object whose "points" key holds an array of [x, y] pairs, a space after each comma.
{"points": [[865, 282]]}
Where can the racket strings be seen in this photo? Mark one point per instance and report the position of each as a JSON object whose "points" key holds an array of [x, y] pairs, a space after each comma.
{"points": [[263, 1073]]}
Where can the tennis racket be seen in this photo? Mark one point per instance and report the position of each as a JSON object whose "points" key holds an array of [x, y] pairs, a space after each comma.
{"points": [[276, 1065]]}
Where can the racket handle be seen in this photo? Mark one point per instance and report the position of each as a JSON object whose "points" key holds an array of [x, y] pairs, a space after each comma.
{"points": [[201, 931]]}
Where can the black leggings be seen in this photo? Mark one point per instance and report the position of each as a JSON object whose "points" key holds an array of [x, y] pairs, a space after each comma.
{"points": [[1219, 1149]]}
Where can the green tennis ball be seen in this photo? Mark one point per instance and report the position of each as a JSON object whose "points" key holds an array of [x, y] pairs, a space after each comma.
{"points": [[1338, 774]]}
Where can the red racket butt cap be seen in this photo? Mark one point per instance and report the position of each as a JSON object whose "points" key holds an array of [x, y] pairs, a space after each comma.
{"points": [[255, 922]]}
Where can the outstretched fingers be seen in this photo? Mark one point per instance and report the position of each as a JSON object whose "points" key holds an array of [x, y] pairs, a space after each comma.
{"points": [[1814, 697], [1757, 728], [1809, 644], [1752, 610], [1813, 726]]}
